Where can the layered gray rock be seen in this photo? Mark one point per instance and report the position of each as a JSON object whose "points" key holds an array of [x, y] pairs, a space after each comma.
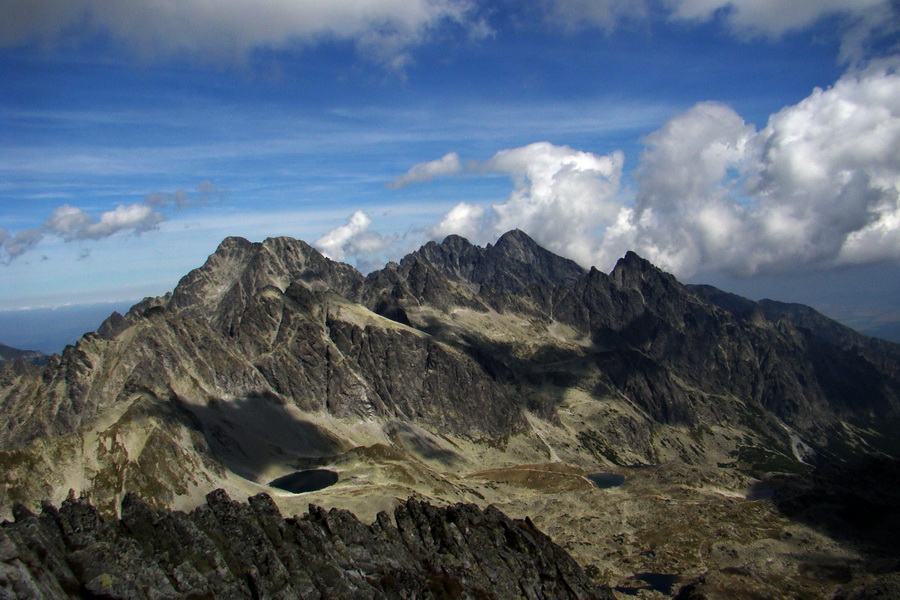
{"points": [[275, 326], [227, 549]]}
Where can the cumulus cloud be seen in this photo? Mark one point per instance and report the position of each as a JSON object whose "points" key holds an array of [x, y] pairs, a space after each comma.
{"points": [[687, 176], [463, 219], [818, 187], [560, 196], [353, 239], [70, 223], [133, 217], [231, 29], [386, 31], [831, 165], [448, 164]]}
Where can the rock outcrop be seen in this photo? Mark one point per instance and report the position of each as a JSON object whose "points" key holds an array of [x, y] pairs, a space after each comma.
{"points": [[460, 341], [227, 549]]}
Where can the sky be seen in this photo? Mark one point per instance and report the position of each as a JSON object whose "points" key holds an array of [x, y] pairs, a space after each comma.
{"points": [[750, 144]]}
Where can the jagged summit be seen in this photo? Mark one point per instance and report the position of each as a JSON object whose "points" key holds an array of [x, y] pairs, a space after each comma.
{"points": [[515, 267]]}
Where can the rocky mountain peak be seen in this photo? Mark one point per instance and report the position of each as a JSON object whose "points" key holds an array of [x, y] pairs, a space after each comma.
{"points": [[635, 272], [231, 244], [516, 247], [240, 270], [516, 238], [455, 241]]}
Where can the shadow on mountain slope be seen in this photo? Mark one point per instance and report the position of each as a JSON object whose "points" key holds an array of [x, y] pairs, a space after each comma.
{"points": [[854, 501], [421, 443], [250, 434]]}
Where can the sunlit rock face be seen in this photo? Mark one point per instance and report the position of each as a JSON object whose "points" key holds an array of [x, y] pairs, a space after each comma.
{"points": [[503, 374]]}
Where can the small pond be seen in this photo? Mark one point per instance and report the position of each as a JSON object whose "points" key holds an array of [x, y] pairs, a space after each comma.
{"points": [[660, 582], [605, 481], [760, 490], [305, 481]]}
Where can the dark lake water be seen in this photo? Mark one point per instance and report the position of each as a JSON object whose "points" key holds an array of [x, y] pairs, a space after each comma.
{"points": [[606, 480], [661, 582], [760, 491], [305, 481]]}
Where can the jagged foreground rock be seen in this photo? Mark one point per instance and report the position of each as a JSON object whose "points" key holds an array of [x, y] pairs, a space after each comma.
{"points": [[226, 549]]}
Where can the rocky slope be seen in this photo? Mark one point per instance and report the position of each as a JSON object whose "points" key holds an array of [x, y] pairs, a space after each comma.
{"points": [[501, 374], [226, 549], [24, 357]]}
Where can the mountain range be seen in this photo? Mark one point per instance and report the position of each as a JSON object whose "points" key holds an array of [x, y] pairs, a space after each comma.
{"points": [[499, 374]]}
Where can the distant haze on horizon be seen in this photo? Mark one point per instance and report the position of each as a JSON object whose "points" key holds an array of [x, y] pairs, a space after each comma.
{"points": [[753, 145]]}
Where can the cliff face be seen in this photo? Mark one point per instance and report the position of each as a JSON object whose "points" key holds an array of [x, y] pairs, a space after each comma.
{"points": [[468, 347], [226, 549], [498, 375]]}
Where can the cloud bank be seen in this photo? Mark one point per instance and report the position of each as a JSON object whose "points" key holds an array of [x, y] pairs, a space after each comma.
{"points": [[231, 29], [862, 23], [770, 17], [386, 31], [818, 187], [70, 223], [561, 195]]}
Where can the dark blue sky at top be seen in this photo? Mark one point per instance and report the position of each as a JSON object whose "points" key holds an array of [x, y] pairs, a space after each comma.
{"points": [[103, 97]]}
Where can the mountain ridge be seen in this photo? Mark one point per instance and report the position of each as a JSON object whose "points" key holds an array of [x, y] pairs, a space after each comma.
{"points": [[498, 375], [637, 310]]}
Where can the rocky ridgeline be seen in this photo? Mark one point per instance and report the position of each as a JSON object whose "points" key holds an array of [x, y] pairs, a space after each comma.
{"points": [[278, 318], [228, 549]]}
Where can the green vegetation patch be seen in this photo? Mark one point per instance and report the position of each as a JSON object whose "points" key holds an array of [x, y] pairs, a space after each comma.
{"points": [[757, 461]]}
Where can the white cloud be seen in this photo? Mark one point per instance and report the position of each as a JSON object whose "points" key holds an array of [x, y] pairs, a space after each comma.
{"points": [[423, 172], [769, 17], [14, 245], [68, 222], [684, 213], [463, 219], [230, 29], [818, 186], [353, 239], [831, 165], [560, 196], [133, 217], [862, 21], [71, 223]]}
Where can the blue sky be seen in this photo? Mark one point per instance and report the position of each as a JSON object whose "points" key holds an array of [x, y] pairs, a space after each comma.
{"points": [[752, 144]]}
